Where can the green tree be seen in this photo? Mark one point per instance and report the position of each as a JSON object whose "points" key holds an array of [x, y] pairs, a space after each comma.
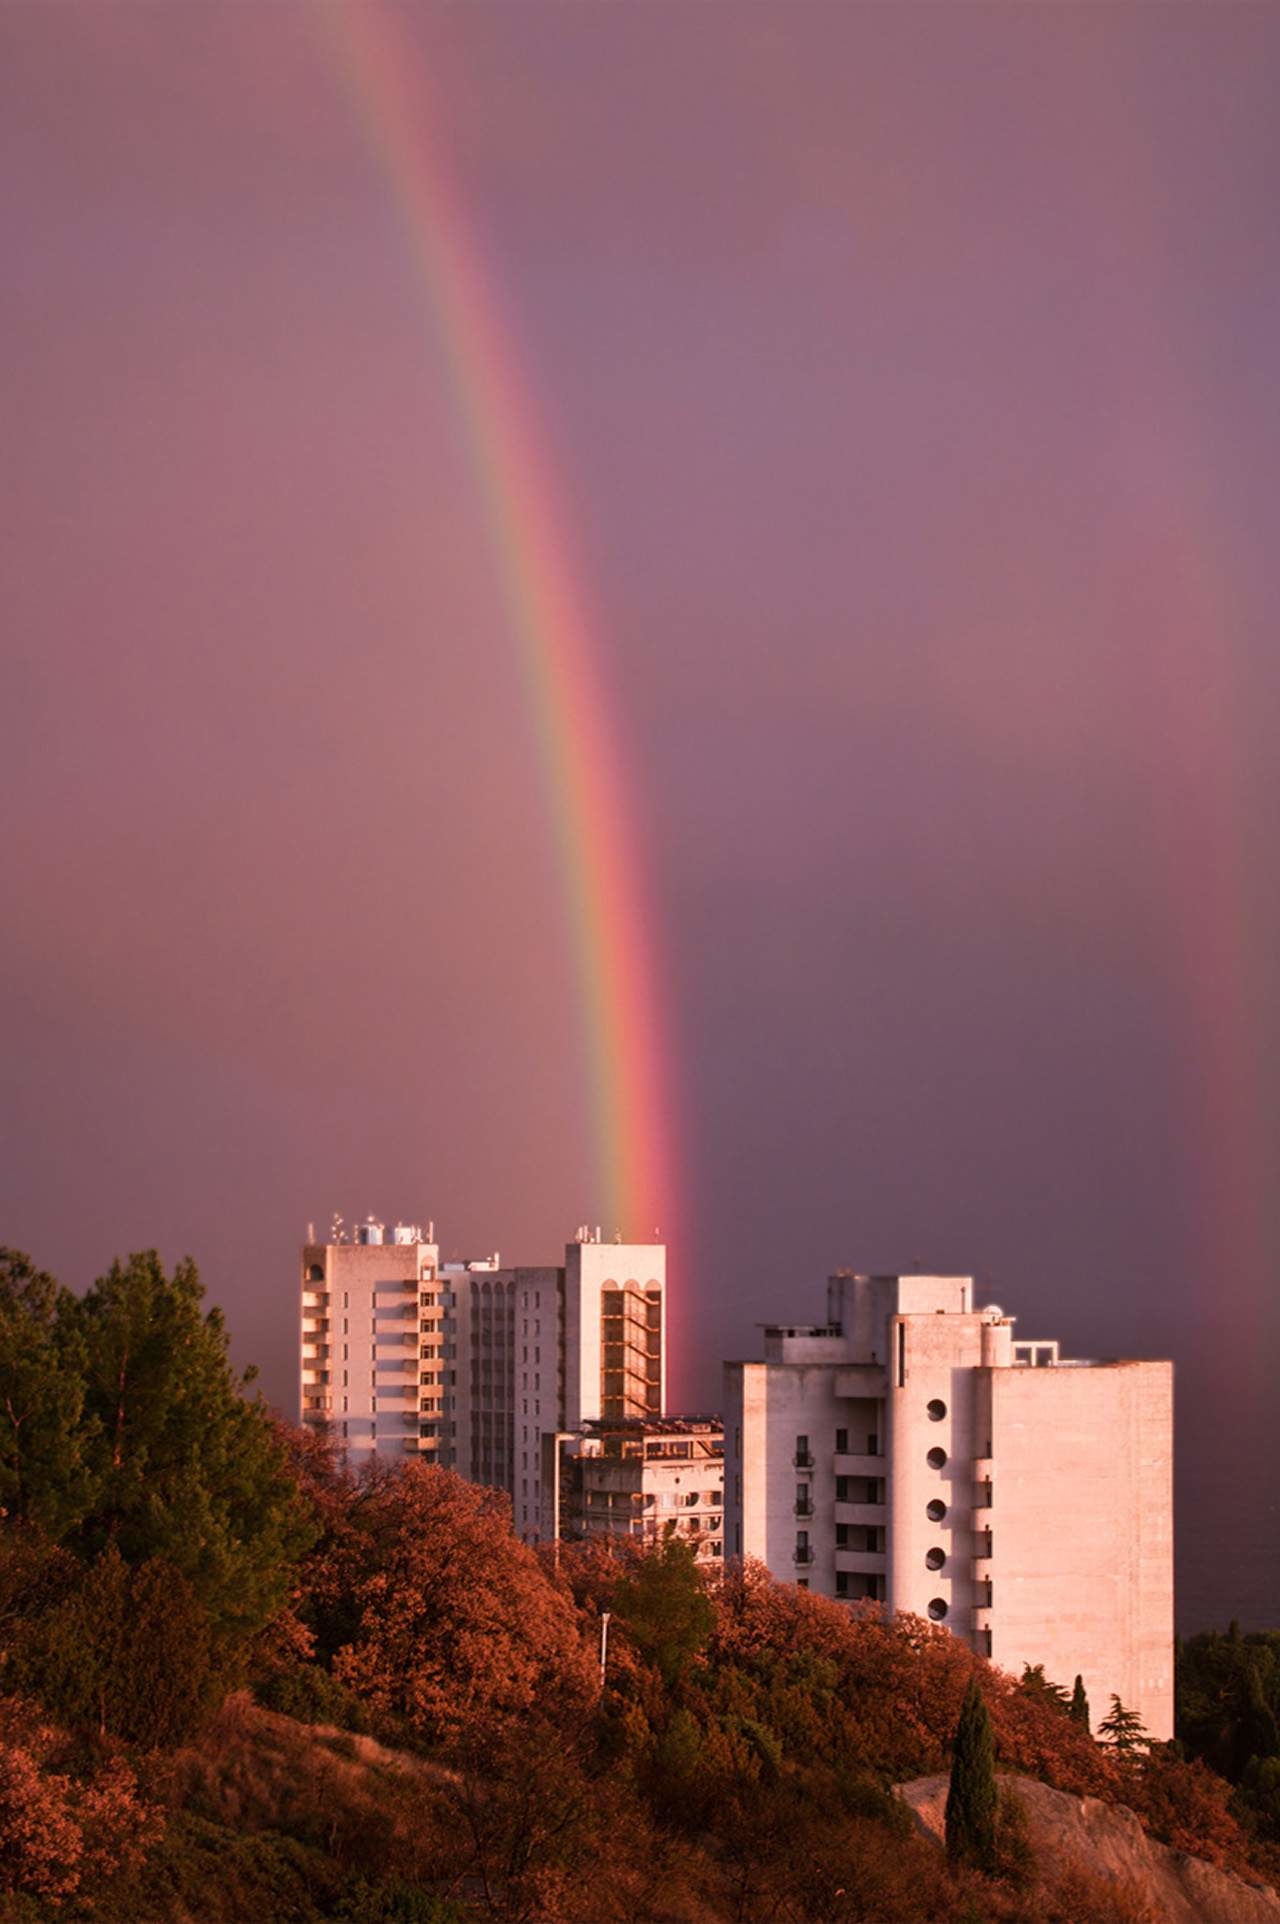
{"points": [[1034, 1683], [125, 1653], [1079, 1708], [43, 1478], [1261, 1736], [1122, 1728], [185, 1467], [666, 1608], [971, 1799]]}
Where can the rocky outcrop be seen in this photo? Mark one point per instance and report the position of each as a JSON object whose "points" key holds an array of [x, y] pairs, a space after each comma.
{"points": [[1082, 1836]]}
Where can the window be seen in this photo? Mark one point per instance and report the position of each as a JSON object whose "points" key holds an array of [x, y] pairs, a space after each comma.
{"points": [[842, 1583], [935, 1558], [842, 1442], [936, 1510], [937, 1459], [938, 1609], [842, 1489], [937, 1409]]}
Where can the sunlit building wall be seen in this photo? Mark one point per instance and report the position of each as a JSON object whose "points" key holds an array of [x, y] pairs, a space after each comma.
{"points": [[911, 1451]]}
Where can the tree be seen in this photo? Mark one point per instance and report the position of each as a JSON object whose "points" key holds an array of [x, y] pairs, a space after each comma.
{"points": [[1122, 1728], [43, 1479], [971, 1799], [184, 1466], [1034, 1683], [1261, 1736], [666, 1608], [1079, 1709], [448, 1619], [126, 1653]]}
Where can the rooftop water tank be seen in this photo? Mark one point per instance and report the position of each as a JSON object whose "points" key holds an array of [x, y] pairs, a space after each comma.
{"points": [[369, 1231], [406, 1233]]}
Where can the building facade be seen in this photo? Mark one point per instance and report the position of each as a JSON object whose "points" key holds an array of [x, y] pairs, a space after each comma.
{"points": [[481, 1367], [911, 1451], [644, 1478]]}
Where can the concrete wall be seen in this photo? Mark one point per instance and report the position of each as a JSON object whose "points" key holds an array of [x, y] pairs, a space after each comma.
{"points": [[1082, 1536]]}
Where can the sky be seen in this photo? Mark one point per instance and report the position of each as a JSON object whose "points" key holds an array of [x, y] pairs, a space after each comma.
{"points": [[907, 377]]}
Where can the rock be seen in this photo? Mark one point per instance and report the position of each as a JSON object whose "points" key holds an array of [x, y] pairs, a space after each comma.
{"points": [[1081, 1835]]}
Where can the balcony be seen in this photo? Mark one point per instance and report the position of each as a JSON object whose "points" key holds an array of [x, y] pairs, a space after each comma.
{"points": [[866, 1382], [803, 1506], [803, 1553], [863, 1563], [314, 1353], [846, 1464], [803, 1459], [982, 1496], [982, 1617], [983, 1469], [315, 1299], [862, 1513]]}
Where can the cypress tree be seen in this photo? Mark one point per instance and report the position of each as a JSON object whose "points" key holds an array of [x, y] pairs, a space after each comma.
{"points": [[971, 1800], [1080, 1704]]}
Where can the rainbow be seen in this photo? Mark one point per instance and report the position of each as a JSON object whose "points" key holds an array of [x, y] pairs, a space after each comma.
{"points": [[540, 585]]}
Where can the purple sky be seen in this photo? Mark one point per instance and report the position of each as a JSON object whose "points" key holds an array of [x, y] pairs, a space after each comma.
{"points": [[912, 379]]}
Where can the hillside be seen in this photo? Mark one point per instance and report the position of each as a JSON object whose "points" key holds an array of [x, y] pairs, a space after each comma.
{"points": [[1093, 1851], [239, 1683]]}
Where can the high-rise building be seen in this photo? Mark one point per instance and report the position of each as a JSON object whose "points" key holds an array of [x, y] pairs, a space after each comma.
{"points": [[911, 1450], [480, 1366], [375, 1337]]}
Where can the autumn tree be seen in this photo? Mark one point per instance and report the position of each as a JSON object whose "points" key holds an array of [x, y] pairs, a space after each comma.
{"points": [[449, 1620], [971, 1799]]}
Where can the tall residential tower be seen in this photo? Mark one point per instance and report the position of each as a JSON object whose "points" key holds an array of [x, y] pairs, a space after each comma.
{"points": [[482, 1367]]}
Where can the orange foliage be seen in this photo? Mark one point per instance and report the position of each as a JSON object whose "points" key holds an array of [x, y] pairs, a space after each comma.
{"points": [[453, 1622]]}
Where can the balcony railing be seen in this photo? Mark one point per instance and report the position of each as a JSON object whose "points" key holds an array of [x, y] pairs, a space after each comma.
{"points": [[803, 1554], [803, 1507], [803, 1459]]}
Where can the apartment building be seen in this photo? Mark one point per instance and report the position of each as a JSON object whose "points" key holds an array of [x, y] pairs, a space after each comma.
{"points": [[644, 1478], [912, 1450], [481, 1366], [377, 1338]]}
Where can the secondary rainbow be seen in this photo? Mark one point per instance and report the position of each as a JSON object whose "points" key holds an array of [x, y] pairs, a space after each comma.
{"points": [[604, 883]]}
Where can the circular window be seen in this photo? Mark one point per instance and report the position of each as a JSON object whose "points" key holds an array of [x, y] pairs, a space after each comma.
{"points": [[937, 1459], [935, 1558], [937, 1410], [936, 1510], [938, 1609]]}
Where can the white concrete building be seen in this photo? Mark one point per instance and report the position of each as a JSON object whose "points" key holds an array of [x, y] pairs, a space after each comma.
{"points": [[911, 1450], [646, 1478], [479, 1366], [375, 1346]]}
